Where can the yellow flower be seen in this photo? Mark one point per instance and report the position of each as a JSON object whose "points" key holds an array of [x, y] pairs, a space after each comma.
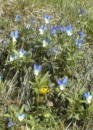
{"points": [[44, 91]]}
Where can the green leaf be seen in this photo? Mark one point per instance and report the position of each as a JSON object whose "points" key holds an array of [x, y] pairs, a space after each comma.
{"points": [[44, 79]]}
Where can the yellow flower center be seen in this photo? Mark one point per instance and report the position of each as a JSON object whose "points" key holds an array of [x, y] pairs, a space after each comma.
{"points": [[44, 91]]}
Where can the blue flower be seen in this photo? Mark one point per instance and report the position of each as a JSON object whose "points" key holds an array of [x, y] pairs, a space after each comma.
{"points": [[82, 11], [22, 52], [47, 18], [28, 26], [21, 116], [13, 57], [62, 83], [88, 97], [59, 28], [68, 29], [18, 54], [10, 123], [42, 29], [79, 42], [53, 30], [17, 18], [37, 69], [15, 34], [46, 42], [64, 28], [56, 50], [56, 29], [82, 35]]}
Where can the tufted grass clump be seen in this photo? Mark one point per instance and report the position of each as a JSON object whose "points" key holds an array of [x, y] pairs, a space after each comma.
{"points": [[46, 61]]}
